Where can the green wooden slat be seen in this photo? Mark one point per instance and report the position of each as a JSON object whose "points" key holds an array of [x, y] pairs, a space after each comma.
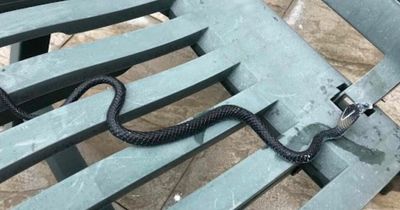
{"points": [[8, 5], [302, 80], [359, 183], [40, 75], [32, 141], [262, 169], [239, 185], [359, 144], [263, 49], [377, 82], [113, 176], [378, 21], [369, 148], [72, 16]]}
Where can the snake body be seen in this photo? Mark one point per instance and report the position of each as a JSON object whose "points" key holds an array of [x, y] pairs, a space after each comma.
{"points": [[198, 124]]}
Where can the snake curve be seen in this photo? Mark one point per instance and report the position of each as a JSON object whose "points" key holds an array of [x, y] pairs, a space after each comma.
{"points": [[198, 124]]}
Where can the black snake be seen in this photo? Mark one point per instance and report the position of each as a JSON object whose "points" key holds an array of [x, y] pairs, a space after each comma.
{"points": [[198, 124]]}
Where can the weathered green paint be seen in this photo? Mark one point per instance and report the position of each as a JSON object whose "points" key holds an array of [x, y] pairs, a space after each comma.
{"points": [[360, 182], [72, 16], [378, 22], [368, 174], [378, 82], [301, 79], [246, 180], [133, 166], [238, 186], [43, 74], [68, 161], [272, 56], [30, 142]]}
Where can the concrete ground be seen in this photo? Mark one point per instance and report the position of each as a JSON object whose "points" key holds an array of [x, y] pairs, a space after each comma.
{"points": [[341, 45]]}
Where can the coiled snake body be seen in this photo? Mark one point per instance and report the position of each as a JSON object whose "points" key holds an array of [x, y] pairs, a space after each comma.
{"points": [[196, 125]]}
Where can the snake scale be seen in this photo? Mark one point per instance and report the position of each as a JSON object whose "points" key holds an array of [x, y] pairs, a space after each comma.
{"points": [[198, 124]]}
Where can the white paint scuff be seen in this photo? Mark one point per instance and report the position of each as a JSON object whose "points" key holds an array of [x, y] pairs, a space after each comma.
{"points": [[177, 197], [296, 13]]}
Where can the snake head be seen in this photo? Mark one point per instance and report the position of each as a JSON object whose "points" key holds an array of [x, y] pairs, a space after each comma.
{"points": [[364, 107], [351, 114]]}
